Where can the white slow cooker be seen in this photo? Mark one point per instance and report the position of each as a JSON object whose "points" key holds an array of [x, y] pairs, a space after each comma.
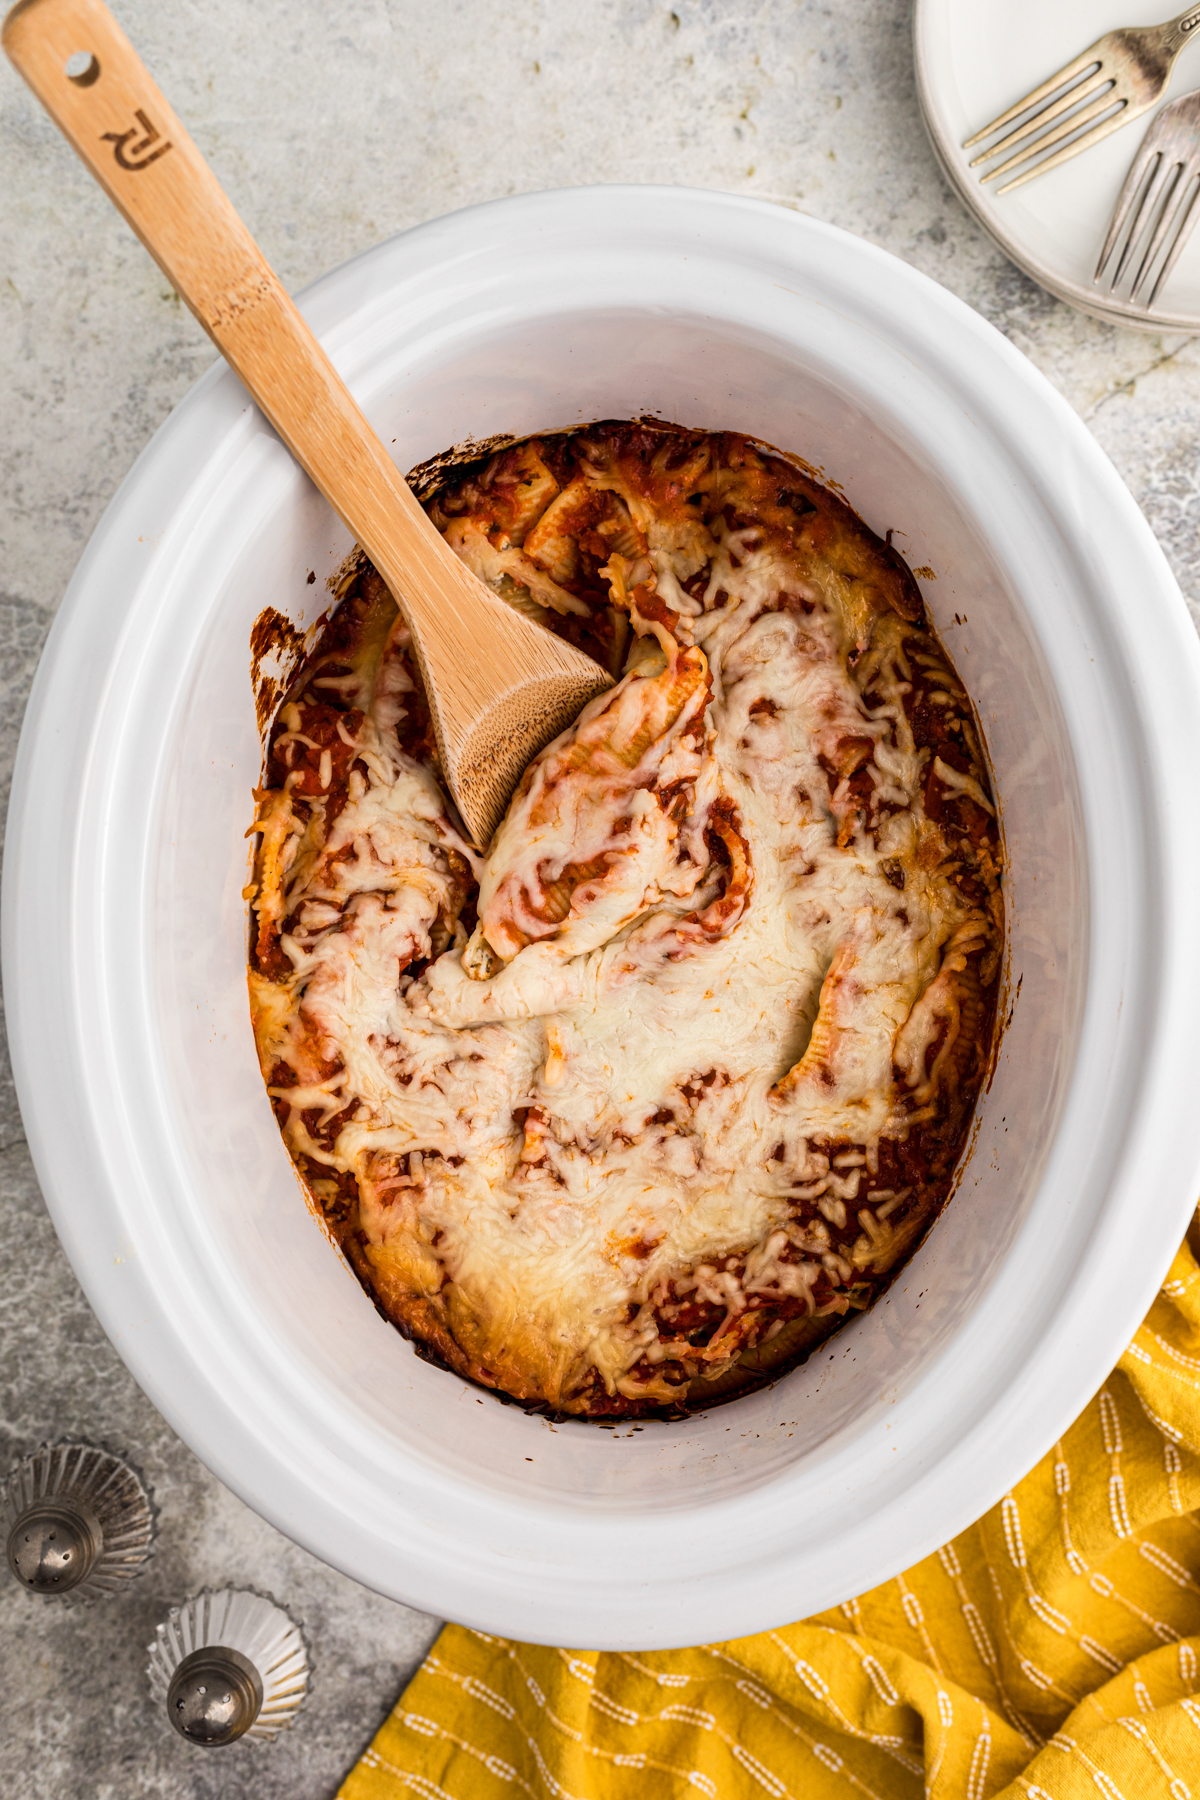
{"points": [[125, 932]]}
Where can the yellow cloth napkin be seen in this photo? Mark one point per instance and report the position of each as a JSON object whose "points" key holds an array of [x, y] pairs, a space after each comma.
{"points": [[1051, 1652]]}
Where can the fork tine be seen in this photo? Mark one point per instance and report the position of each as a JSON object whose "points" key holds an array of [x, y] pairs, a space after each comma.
{"points": [[1102, 130], [1156, 206], [1060, 131], [1172, 213], [1073, 97], [1187, 220], [1078, 67], [1125, 199]]}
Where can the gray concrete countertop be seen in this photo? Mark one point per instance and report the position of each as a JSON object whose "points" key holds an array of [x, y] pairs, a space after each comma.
{"points": [[334, 125]]}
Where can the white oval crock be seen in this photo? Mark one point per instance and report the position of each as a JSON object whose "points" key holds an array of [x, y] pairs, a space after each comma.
{"points": [[125, 930]]}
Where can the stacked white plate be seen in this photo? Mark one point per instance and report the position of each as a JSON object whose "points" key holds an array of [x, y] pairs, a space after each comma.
{"points": [[974, 59]]}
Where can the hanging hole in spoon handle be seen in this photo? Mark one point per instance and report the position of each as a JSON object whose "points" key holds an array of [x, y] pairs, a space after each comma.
{"points": [[82, 68]]}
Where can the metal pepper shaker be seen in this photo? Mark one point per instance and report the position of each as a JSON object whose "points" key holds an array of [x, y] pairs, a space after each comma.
{"points": [[228, 1665], [79, 1521]]}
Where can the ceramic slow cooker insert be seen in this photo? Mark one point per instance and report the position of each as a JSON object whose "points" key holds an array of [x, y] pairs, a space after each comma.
{"points": [[125, 932]]}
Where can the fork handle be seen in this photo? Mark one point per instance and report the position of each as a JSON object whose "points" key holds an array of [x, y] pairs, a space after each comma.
{"points": [[111, 111], [1178, 32]]}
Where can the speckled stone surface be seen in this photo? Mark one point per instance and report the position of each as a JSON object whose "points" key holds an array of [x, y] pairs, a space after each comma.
{"points": [[333, 126]]}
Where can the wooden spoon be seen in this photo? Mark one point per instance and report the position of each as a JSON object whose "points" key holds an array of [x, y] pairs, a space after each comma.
{"points": [[499, 687]]}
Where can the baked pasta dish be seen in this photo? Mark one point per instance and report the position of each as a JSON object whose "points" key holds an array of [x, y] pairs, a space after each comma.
{"points": [[626, 1114]]}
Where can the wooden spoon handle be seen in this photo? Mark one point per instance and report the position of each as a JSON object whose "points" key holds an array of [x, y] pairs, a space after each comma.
{"points": [[498, 686], [133, 143]]}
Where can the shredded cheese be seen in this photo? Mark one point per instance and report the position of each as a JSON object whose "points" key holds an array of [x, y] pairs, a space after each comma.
{"points": [[709, 948]]}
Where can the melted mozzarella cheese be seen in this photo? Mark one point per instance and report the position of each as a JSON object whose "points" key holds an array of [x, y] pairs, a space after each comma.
{"points": [[629, 1072]]}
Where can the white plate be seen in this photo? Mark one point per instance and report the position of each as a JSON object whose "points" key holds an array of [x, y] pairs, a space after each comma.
{"points": [[974, 58], [125, 933]]}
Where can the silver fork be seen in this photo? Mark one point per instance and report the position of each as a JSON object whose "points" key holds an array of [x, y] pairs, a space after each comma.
{"points": [[1121, 76], [1163, 180]]}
